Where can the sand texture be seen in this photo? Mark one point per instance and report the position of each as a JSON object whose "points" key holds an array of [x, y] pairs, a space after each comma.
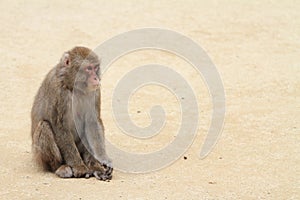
{"points": [[256, 48]]}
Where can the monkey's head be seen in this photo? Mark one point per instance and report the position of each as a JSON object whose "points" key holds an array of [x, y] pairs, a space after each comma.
{"points": [[80, 68]]}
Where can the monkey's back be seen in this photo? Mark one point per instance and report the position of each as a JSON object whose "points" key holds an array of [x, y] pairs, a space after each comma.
{"points": [[46, 100]]}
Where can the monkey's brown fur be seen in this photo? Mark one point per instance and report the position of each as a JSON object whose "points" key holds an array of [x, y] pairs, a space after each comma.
{"points": [[57, 144]]}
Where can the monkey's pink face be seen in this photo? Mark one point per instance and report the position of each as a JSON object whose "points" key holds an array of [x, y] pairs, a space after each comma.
{"points": [[93, 80]]}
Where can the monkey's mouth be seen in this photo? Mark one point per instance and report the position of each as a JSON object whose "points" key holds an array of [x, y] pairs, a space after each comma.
{"points": [[94, 87]]}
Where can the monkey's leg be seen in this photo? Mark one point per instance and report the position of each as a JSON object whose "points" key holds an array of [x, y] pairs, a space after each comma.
{"points": [[70, 153], [46, 151]]}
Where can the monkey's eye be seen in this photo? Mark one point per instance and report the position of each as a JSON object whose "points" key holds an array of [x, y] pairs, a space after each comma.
{"points": [[89, 68]]}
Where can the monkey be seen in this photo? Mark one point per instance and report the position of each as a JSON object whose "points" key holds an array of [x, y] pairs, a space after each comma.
{"points": [[66, 127]]}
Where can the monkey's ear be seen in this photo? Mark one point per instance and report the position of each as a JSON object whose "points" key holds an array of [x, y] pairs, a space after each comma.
{"points": [[65, 60]]}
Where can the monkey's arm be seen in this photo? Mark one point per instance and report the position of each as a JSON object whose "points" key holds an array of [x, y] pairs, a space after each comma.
{"points": [[99, 132], [95, 137]]}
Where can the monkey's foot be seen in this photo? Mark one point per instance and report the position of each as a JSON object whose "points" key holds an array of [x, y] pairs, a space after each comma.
{"points": [[81, 171], [64, 171]]}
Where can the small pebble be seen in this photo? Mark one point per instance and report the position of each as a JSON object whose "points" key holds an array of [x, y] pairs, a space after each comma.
{"points": [[212, 182]]}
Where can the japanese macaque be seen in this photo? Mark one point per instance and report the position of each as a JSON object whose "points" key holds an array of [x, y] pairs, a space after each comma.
{"points": [[67, 131]]}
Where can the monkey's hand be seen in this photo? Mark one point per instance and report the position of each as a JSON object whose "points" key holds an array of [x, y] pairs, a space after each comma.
{"points": [[102, 171], [81, 171], [105, 162], [103, 177]]}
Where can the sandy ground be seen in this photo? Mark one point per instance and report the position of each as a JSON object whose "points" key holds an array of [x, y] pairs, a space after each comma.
{"points": [[256, 48]]}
